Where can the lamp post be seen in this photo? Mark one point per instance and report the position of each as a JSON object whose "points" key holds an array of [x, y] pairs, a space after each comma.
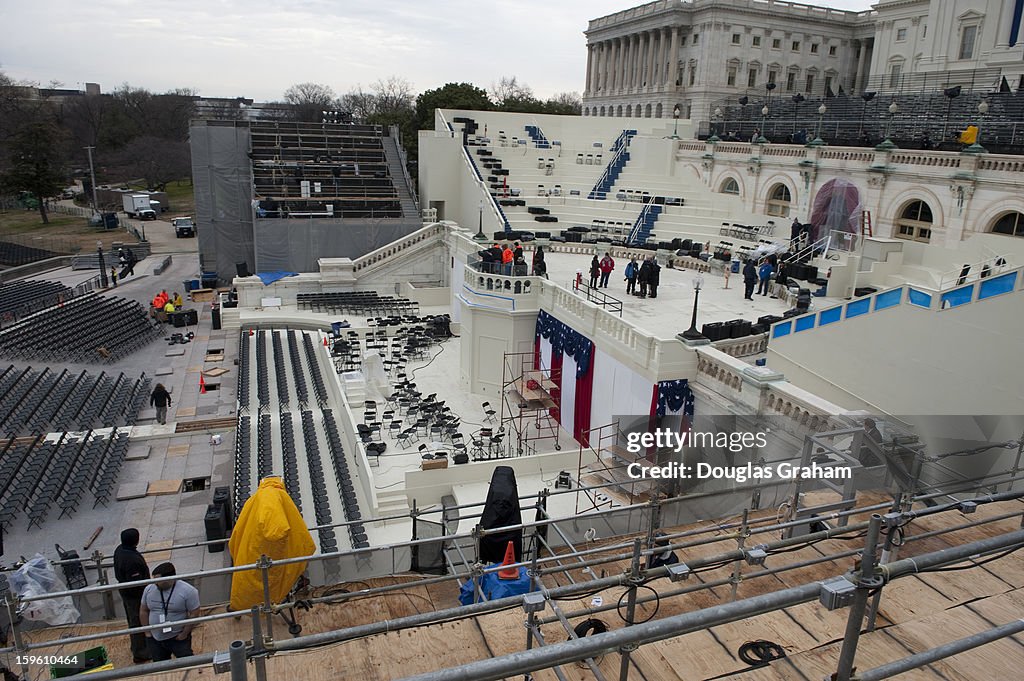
{"points": [[675, 127], [692, 334], [92, 178], [715, 117], [764, 116], [976, 148], [817, 141], [103, 265], [887, 143], [479, 236]]}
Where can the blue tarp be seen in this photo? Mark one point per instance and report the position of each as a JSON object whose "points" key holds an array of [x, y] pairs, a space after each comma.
{"points": [[269, 278], [495, 588]]}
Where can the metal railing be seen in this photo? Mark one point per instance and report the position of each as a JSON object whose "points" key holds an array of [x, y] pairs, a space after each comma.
{"points": [[597, 296], [652, 514], [982, 269]]}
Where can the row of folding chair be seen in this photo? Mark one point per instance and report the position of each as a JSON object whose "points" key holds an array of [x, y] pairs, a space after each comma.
{"points": [[321, 502], [299, 377], [280, 370], [264, 448], [291, 465], [106, 478], [262, 376], [346, 485], [243, 370], [319, 387], [243, 454]]}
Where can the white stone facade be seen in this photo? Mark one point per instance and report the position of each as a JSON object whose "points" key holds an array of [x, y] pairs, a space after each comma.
{"points": [[650, 59]]}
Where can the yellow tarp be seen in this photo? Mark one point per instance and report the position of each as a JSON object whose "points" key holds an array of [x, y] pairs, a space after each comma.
{"points": [[269, 524], [970, 135]]}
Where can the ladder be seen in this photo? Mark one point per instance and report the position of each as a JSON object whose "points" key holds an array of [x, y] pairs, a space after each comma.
{"points": [[865, 223]]}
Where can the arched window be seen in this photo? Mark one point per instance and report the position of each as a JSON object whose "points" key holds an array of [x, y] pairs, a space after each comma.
{"points": [[658, 112], [602, 111], [647, 111], [618, 111], [629, 111], [730, 186], [586, 111], [1010, 223], [915, 222], [779, 200]]}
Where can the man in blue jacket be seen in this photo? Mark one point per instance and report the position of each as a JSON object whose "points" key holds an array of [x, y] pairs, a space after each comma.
{"points": [[764, 276]]}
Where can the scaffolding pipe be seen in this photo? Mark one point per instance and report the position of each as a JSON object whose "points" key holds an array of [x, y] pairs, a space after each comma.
{"points": [[867, 581], [603, 583], [927, 657], [635, 579], [237, 653], [703, 586], [671, 627]]}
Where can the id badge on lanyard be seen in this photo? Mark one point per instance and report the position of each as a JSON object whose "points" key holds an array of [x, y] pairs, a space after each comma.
{"points": [[163, 616]]}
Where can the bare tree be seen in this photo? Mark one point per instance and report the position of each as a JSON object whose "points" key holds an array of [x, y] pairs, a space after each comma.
{"points": [[394, 95], [359, 103], [158, 160], [509, 90]]}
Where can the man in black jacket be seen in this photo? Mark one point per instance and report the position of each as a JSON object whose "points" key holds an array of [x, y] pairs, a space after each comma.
{"points": [[749, 279], [130, 566]]}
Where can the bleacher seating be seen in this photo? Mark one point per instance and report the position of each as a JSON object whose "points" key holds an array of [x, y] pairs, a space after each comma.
{"points": [[39, 402], [19, 298], [322, 171], [36, 475], [12, 254], [88, 328], [356, 302]]}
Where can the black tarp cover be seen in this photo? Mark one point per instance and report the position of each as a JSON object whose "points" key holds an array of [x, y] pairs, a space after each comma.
{"points": [[501, 510]]}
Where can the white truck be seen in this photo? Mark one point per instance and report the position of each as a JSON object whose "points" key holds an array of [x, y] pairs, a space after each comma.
{"points": [[139, 206], [183, 227]]}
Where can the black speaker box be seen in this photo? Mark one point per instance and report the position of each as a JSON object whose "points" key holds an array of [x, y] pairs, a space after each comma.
{"points": [[242, 269]]}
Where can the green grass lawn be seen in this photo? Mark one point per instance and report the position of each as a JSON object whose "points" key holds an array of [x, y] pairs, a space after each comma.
{"points": [[64, 233]]}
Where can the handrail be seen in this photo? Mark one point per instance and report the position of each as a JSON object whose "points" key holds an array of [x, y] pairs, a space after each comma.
{"points": [[638, 224], [619, 148], [598, 297], [403, 160], [992, 265], [808, 251], [491, 200]]}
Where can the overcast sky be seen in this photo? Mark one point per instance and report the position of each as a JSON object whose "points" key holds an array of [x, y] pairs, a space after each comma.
{"points": [[257, 48]]}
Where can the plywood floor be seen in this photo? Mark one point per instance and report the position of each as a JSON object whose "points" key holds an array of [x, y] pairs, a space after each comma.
{"points": [[916, 613]]}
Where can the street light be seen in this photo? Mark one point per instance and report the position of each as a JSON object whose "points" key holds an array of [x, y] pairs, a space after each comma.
{"points": [[715, 117], [92, 178], [887, 144], [976, 148], [479, 236], [817, 141], [764, 115], [103, 266], [675, 127], [692, 334]]}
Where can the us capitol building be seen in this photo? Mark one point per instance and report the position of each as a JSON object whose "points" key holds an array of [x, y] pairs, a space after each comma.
{"points": [[647, 60]]}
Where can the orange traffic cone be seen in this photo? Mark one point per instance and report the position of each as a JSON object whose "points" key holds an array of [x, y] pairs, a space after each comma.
{"points": [[202, 385], [510, 558]]}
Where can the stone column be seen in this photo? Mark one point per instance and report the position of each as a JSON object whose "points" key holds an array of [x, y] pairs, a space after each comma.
{"points": [[616, 53], [649, 80], [627, 63], [860, 81], [634, 54], [673, 64], [590, 68], [661, 58], [602, 68]]}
